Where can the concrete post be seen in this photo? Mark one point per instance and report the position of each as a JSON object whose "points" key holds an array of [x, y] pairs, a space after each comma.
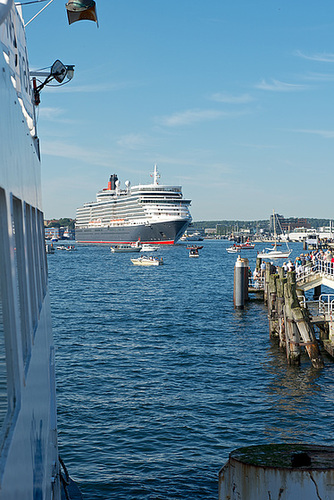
{"points": [[240, 283]]}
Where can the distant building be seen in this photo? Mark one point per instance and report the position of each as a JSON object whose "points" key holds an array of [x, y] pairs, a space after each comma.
{"points": [[210, 230], [51, 232], [287, 225]]}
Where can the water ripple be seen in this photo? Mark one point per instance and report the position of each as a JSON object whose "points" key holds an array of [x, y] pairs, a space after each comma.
{"points": [[158, 378]]}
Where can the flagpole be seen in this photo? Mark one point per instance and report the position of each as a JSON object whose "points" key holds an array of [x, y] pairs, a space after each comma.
{"points": [[38, 13]]}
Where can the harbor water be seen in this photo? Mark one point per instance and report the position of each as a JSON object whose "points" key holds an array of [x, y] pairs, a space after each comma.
{"points": [[159, 378]]}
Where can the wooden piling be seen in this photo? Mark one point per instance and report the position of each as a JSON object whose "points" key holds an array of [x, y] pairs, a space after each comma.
{"points": [[280, 307], [299, 328], [272, 305], [291, 330]]}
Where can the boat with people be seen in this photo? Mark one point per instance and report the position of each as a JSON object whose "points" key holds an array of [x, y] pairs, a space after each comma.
{"points": [[149, 248], [126, 247], [240, 246], [246, 246], [232, 249], [156, 213], [143, 260], [191, 236], [193, 252], [50, 249], [68, 248], [197, 247], [30, 466], [275, 253]]}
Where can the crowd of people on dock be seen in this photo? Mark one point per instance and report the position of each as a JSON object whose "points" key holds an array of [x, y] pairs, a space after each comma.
{"points": [[303, 261]]}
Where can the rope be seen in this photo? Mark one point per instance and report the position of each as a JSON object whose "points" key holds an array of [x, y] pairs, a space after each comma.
{"points": [[64, 478]]}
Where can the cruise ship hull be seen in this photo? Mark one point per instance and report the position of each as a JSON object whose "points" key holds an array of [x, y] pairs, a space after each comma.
{"points": [[166, 233]]}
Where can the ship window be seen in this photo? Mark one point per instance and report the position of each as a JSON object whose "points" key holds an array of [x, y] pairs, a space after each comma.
{"points": [[36, 254], [31, 265], [42, 253], [4, 258], [21, 277]]}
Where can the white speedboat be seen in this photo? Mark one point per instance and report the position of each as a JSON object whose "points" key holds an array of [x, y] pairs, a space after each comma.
{"points": [[147, 261], [149, 248], [125, 248], [30, 466], [232, 249]]}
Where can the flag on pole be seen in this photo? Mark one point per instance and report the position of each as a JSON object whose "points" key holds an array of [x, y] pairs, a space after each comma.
{"points": [[78, 10]]}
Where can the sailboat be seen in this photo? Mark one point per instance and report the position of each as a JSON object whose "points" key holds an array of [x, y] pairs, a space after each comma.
{"points": [[274, 253]]}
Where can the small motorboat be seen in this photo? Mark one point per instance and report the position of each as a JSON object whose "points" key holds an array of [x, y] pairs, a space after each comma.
{"points": [[147, 261], [193, 252], [246, 246], [49, 248], [240, 246], [233, 249], [195, 247], [126, 247], [149, 248]]}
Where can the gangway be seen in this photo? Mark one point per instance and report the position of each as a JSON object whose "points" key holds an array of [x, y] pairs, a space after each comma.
{"points": [[315, 274]]}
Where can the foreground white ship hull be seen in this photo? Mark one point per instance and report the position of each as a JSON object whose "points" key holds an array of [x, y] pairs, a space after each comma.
{"points": [[29, 461], [29, 455]]}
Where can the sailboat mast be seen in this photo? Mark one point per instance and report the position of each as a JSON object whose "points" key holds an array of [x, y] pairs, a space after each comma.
{"points": [[274, 230]]}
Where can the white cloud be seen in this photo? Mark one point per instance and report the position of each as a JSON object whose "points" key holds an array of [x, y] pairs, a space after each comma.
{"points": [[232, 99], [71, 88], [132, 141], [278, 86], [326, 134], [50, 113], [191, 116], [73, 152], [324, 57], [318, 77]]}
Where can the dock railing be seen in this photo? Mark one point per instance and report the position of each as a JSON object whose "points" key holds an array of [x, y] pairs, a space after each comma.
{"points": [[256, 283], [324, 306], [320, 267]]}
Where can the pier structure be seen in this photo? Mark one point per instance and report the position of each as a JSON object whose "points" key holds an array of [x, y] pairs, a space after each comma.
{"points": [[293, 320], [288, 471]]}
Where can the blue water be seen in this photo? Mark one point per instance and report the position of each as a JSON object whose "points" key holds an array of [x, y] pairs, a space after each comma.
{"points": [[158, 378]]}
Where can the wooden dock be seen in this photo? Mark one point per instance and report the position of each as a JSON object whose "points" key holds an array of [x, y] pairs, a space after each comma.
{"points": [[298, 324]]}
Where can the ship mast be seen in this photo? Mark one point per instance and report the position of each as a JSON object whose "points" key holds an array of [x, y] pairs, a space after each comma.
{"points": [[156, 175]]}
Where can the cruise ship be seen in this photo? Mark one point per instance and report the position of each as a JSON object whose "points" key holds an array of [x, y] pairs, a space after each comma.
{"points": [[151, 213]]}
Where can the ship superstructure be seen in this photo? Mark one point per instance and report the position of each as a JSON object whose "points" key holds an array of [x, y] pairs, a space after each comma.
{"points": [[150, 212], [29, 461]]}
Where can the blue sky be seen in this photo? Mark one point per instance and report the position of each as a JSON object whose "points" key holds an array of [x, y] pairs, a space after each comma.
{"points": [[232, 100]]}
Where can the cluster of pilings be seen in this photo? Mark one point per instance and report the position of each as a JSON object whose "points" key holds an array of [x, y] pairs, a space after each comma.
{"points": [[289, 321]]}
